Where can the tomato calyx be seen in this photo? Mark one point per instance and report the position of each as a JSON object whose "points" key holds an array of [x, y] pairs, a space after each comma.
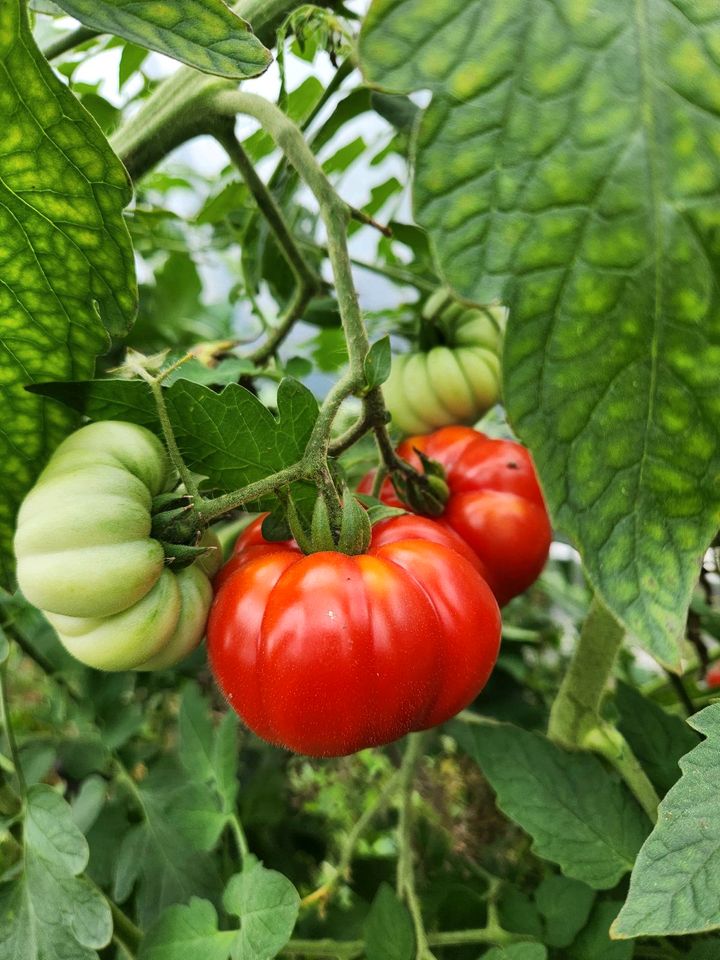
{"points": [[349, 533], [178, 528], [427, 492]]}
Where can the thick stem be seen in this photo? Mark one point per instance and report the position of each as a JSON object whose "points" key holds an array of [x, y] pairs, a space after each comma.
{"points": [[576, 716], [576, 709], [176, 111], [210, 509], [68, 42], [9, 731], [129, 935]]}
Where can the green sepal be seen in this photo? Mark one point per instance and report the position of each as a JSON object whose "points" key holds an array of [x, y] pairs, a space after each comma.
{"points": [[321, 533], [356, 530], [426, 492], [174, 520], [180, 555]]}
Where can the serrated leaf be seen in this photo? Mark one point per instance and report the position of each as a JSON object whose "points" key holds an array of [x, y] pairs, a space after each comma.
{"points": [[164, 855], [184, 932], [196, 733], [565, 906], [601, 828], [389, 933], [378, 362], [673, 887], [66, 261], [267, 904], [657, 738], [205, 34], [570, 160], [229, 437], [48, 911]]}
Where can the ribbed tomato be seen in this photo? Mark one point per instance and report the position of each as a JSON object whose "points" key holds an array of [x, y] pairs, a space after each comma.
{"points": [[495, 503], [327, 654]]}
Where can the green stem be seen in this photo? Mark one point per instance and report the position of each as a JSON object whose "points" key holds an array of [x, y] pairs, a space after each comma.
{"points": [[265, 201], [405, 869], [177, 110], [210, 509], [68, 42], [334, 949], [129, 935], [240, 838], [9, 731], [173, 450], [347, 851], [576, 715]]}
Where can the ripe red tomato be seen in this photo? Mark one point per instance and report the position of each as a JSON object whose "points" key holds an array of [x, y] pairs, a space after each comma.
{"points": [[495, 503], [327, 654], [712, 677]]}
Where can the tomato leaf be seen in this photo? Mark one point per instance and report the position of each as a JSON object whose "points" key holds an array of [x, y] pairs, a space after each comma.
{"points": [[48, 910], [517, 951], [196, 733], [164, 855], [229, 437], [377, 363], [389, 933], [565, 906], [594, 943], [657, 738], [601, 828], [66, 260], [184, 931], [267, 904], [673, 887], [569, 163], [205, 34]]}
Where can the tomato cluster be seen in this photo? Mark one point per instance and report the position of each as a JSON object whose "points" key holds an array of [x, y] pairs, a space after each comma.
{"points": [[495, 503], [327, 654]]}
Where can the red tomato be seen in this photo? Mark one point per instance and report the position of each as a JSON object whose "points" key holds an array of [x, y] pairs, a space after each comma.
{"points": [[495, 503], [712, 677], [327, 654]]}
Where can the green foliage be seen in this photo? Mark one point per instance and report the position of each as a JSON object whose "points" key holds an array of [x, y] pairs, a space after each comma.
{"points": [[673, 882], [388, 929], [66, 259], [567, 163], [48, 911], [598, 221], [203, 33], [565, 800]]}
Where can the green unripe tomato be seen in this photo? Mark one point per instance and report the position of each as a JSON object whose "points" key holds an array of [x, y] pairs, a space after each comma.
{"points": [[85, 556], [449, 384]]}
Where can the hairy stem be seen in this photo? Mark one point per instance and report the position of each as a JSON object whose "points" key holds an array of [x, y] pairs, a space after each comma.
{"points": [[9, 731], [405, 869], [576, 716]]}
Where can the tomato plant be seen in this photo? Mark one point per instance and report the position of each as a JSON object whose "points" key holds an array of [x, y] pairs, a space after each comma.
{"points": [[251, 255]]}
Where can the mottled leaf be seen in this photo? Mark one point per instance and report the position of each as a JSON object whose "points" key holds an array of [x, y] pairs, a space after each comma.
{"points": [[205, 34], [65, 258], [570, 163]]}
